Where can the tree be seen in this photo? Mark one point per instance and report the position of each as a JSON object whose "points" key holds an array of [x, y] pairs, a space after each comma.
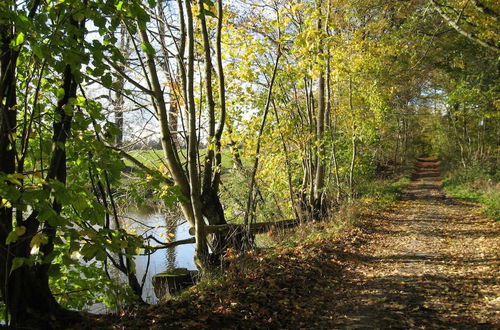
{"points": [[25, 278]]}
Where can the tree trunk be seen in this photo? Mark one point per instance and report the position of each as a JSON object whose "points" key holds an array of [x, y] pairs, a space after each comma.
{"points": [[26, 291], [201, 249], [250, 199], [319, 178], [354, 145], [118, 102], [233, 149], [212, 208], [170, 150], [173, 118]]}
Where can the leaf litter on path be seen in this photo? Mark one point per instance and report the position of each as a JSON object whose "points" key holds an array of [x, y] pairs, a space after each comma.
{"points": [[428, 262]]}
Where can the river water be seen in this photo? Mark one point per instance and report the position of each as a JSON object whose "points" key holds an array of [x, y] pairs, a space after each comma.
{"points": [[165, 229]]}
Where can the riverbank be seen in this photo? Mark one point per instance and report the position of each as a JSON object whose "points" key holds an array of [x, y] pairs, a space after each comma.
{"points": [[427, 260]]}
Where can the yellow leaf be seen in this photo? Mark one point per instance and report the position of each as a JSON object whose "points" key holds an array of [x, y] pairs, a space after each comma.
{"points": [[20, 230], [38, 240], [75, 255], [5, 203]]}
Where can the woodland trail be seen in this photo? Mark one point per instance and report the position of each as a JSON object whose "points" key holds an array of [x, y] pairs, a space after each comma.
{"points": [[431, 262], [427, 262]]}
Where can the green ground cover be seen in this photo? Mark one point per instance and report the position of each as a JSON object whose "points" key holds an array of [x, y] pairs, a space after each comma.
{"points": [[478, 186]]}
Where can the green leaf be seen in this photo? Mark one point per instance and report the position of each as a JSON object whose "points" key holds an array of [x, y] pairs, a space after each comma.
{"points": [[101, 255], [40, 50], [16, 263], [11, 238], [5, 203], [19, 39], [146, 46], [37, 50], [60, 93], [89, 251], [106, 80], [37, 241], [80, 101], [16, 177], [79, 17], [20, 230], [49, 215], [68, 109]]}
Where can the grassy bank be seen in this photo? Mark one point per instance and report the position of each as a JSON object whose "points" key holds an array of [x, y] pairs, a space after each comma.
{"points": [[380, 193], [476, 185], [377, 194]]}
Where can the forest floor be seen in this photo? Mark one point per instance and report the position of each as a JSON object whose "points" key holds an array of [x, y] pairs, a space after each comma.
{"points": [[429, 262]]}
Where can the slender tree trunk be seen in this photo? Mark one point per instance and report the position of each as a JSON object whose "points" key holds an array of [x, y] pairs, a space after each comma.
{"points": [[250, 198], [332, 128], [320, 151], [173, 118], [170, 150], [453, 120], [119, 102], [174, 98], [210, 152], [296, 210], [222, 97], [233, 149], [354, 145], [212, 207], [8, 114], [201, 256], [353, 162], [319, 183]]}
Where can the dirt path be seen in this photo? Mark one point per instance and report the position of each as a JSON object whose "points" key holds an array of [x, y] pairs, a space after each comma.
{"points": [[431, 262]]}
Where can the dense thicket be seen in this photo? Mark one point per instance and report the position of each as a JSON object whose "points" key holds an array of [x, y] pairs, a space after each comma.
{"points": [[265, 110]]}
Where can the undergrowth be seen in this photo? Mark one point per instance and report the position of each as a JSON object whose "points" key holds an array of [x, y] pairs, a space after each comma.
{"points": [[476, 185], [375, 195], [381, 193]]}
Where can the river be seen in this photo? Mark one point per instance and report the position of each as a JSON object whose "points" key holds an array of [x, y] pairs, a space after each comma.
{"points": [[165, 230]]}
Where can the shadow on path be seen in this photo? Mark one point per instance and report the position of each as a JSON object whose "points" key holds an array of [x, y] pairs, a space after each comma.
{"points": [[432, 262]]}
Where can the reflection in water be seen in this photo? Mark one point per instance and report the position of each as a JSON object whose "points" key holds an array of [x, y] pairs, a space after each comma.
{"points": [[171, 237], [165, 229]]}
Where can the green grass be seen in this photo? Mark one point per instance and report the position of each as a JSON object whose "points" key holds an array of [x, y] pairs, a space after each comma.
{"points": [[380, 193], [475, 186]]}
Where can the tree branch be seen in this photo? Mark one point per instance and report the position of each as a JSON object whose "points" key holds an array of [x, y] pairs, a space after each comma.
{"points": [[130, 80], [461, 31]]}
